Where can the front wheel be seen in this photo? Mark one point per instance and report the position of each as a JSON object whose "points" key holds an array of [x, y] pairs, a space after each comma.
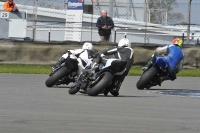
{"points": [[74, 89], [52, 80], [146, 77], [102, 82]]}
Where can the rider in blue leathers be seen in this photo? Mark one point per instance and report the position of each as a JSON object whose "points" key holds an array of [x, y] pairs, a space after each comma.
{"points": [[173, 55]]}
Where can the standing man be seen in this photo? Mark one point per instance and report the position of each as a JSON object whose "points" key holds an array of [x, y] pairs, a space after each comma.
{"points": [[104, 24], [10, 6]]}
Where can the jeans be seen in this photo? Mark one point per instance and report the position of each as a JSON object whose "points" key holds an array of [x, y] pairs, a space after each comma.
{"points": [[105, 38]]}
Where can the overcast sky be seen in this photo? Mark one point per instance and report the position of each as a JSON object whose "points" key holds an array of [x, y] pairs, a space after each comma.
{"points": [[186, 1], [195, 10]]}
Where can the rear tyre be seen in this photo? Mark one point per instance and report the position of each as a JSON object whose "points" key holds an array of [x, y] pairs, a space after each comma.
{"points": [[101, 85], [52, 80], [146, 77]]}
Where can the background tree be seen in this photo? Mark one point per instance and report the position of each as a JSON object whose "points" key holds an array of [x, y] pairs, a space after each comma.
{"points": [[159, 9]]}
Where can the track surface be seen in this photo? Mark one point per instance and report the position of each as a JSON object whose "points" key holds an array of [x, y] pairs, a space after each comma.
{"points": [[27, 106]]}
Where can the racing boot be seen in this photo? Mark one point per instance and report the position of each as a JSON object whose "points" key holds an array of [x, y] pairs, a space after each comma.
{"points": [[82, 91], [107, 90], [115, 90], [144, 68], [59, 63], [161, 79]]}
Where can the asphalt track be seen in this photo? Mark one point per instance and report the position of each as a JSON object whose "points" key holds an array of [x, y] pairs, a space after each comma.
{"points": [[27, 106]]}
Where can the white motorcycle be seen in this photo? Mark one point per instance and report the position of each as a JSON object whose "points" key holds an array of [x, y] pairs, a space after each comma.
{"points": [[67, 72]]}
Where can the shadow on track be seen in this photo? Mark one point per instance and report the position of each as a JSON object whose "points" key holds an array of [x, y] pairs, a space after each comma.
{"points": [[67, 87], [173, 90], [177, 92], [120, 96], [101, 95], [127, 96]]}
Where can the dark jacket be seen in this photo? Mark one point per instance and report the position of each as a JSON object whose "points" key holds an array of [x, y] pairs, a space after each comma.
{"points": [[102, 22], [123, 53]]}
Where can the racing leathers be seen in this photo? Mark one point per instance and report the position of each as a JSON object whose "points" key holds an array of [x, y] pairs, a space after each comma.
{"points": [[126, 54], [174, 56], [81, 55]]}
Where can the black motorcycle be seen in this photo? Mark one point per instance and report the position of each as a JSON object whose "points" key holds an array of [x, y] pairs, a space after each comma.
{"points": [[101, 81]]}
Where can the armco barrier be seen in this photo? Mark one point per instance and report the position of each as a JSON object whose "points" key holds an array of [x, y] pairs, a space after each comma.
{"points": [[44, 53]]}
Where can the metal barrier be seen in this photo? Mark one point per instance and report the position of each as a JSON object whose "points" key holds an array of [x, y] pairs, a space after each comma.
{"points": [[138, 19]]}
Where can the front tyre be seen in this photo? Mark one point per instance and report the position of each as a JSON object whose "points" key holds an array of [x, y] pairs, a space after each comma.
{"points": [[74, 89], [52, 80], [104, 82], [146, 77]]}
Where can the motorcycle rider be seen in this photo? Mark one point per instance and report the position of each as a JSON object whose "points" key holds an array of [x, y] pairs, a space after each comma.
{"points": [[174, 56], [124, 52], [83, 54]]}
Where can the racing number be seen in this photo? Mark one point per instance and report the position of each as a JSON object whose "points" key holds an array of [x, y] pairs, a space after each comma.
{"points": [[4, 15]]}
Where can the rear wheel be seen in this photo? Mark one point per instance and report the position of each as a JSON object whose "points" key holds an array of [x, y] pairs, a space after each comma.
{"points": [[146, 77], [103, 83], [52, 80]]}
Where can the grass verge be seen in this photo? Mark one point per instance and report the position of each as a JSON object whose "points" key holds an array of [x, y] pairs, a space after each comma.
{"points": [[24, 69], [136, 71], [41, 69]]}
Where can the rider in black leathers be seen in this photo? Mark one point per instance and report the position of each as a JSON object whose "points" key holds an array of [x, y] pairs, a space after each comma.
{"points": [[124, 52]]}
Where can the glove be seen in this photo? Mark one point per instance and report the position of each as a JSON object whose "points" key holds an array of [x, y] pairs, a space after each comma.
{"points": [[14, 9], [94, 55], [97, 59], [104, 51], [102, 55]]}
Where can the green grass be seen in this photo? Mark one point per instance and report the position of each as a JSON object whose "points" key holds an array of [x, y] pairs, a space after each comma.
{"points": [[189, 73], [41, 69], [136, 71], [24, 69]]}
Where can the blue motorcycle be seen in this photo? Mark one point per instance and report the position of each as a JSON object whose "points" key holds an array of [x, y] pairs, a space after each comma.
{"points": [[151, 76]]}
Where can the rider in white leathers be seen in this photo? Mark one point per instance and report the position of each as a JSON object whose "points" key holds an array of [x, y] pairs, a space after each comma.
{"points": [[81, 55]]}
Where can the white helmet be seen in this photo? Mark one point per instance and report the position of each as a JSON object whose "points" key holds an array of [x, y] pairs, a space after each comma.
{"points": [[124, 42], [87, 45]]}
